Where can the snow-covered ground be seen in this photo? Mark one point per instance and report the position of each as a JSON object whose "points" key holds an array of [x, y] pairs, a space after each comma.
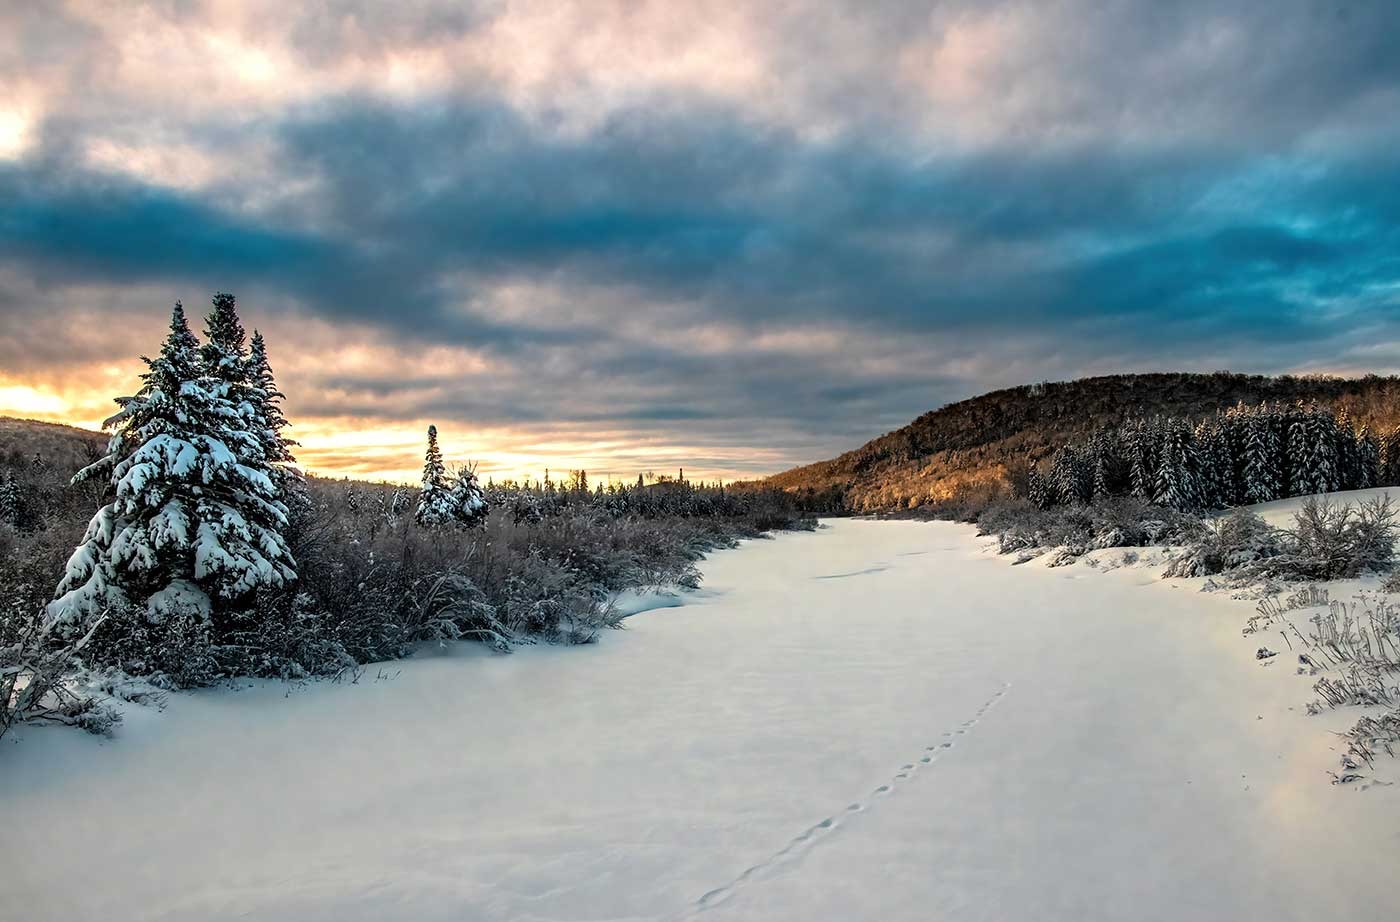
{"points": [[1280, 512], [874, 721]]}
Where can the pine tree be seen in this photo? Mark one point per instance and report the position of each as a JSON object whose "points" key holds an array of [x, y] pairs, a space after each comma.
{"points": [[1368, 459], [11, 501], [1262, 470], [192, 528], [1142, 460], [468, 500], [268, 420], [1036, 489], [1177, 474], [1312, 453], [435, 502], [1234, 425], [1214, 457], [1390, 458], [1300, 452], [1348, 462], [1068, 484]]}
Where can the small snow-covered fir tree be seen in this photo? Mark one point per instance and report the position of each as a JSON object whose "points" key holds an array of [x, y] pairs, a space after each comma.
{"points": [[435, 502], [469, 505], [11, 501], [191, 525]]}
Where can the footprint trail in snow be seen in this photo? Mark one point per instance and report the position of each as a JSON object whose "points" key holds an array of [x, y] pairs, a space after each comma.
{"points": [[809, 837]]}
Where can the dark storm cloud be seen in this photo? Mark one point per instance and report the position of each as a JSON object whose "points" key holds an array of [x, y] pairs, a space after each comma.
{"points": [[977, 194]]}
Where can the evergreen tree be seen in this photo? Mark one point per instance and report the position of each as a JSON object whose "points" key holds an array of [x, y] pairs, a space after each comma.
{"points": [[268, 421], [1214, 456], [469, 506], [1390, 458], [1348, 462], [1177, 474], [435, 501], [1312, 451], [192, 528], [11, 501], [1068, 483], [1368, 459], [1234, 426], [1142, 459], [1262, 456], [1037, 490]]}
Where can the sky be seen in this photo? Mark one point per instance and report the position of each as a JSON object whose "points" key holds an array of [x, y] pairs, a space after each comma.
{"points": [[734, 237]]}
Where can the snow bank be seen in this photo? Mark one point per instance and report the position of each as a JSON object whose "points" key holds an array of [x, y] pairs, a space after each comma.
{"points": [[1280, 512], [872, 721]]}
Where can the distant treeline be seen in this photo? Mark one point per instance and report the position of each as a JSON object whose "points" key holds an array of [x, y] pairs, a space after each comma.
{"points": [[956, 459], [1243, 455]]}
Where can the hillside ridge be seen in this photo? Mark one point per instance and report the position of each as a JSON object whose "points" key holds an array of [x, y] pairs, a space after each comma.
{"points": [[983, 444]]}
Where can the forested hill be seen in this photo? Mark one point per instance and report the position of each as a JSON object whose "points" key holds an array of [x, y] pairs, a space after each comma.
{"points": [[978, 446], [48, 445]]}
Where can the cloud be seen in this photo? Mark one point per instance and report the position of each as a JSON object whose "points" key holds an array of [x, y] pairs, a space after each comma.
{"points": [[721, 225]]}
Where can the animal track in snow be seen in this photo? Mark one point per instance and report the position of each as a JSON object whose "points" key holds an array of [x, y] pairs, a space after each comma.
{"points": [[867, 571], [807, 839]]}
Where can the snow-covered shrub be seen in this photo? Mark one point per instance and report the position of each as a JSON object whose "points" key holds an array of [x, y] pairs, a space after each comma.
{"points": [[1238, 540], [544, 600], [1330, 541], [1121, 521], [449, 606], [176, 650], [34, 677]]}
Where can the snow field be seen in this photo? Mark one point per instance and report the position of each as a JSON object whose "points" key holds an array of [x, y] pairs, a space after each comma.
{"points": [[876, 720]]}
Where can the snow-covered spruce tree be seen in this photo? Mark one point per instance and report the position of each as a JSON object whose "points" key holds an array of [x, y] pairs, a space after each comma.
{"points": [[1312, 452], [435, 503], [11, 501], [1177, 473], [1368, 459], [1262, 455], [469, 505], [192, 528], [1068, 483], [1213, 454], [1142, 459], [1325, 464], [268, 419], [1037, 491], [1390, 458], [1348, 471], [1105, 464], [1234, 427]]}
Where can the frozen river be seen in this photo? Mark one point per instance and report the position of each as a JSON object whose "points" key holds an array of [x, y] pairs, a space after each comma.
{"points": [[873, 721]]}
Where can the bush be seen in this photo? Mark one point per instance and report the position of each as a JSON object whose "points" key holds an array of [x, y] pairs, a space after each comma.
{"points": [[1116, 522], [373, 583], [1339, 542], [34, 676], [1237, 540], [1327, 542]]}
